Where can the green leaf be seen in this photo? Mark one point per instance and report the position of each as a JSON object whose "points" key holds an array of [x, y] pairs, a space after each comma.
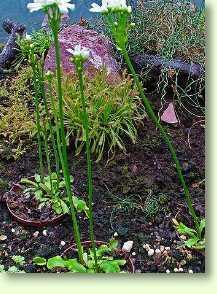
{"points": [[120, 262], [113, 244], [110, 267], [38, 178], [64, 206], [38, 260], [80, 205], [102, 250], [202, 225], [26, 181], [183, 229], [74, 266], [191, 242], [56, 261], [18, 259]]}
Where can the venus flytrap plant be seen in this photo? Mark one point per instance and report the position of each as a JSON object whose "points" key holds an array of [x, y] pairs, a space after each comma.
{"points": [[79, 56], [53, 9], [116, 15]]}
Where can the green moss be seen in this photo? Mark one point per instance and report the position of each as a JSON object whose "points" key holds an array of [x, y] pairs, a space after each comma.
{"points": [[16, 121]]}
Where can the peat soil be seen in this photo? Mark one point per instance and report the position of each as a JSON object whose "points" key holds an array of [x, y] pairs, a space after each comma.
{"points": [[136, 194]]}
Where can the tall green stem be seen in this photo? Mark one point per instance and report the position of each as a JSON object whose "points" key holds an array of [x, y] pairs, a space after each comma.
{"points": [[54, 140], [37, 114], [64, 162], [47, 149], [166, 138], [79, 68]]}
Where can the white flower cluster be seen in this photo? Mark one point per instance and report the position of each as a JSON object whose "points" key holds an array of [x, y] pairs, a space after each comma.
{"points": [[83, 53], [111, 5], [63, 5]]}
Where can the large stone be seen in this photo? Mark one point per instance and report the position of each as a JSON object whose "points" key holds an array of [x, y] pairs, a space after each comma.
{"points": [[100, 52]]}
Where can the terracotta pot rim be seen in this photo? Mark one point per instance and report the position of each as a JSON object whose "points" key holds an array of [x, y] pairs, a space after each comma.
{"points": [[34, 223], [129, 260]]}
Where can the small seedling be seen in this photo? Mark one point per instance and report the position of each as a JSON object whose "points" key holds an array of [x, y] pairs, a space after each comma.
{"points": [[50, 190], [18, 259], [105, 260], [193, 240]]}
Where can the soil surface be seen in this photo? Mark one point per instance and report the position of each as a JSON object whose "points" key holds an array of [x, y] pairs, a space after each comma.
{"points": [[136, 194]]}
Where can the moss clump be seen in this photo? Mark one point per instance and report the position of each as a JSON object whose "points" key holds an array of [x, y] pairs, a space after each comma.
{"points": [[16, 120]]}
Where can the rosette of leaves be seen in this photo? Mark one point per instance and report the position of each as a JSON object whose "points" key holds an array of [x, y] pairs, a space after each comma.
{"points": [[50, 190], [106, 260]]}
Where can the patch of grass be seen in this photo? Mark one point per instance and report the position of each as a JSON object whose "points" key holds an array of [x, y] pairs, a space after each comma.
{"points": [[16, 120], [114, 113]]}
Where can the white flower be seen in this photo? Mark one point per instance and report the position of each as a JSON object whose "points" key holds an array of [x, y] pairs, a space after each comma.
{"points": [[80, 52], [63, 5], [115, 5]]}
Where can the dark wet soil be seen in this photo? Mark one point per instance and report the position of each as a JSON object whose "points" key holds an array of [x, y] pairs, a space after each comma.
{"points": [[136, 195]]}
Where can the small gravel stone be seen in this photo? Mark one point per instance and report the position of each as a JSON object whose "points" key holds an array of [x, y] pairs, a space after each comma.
{"points": [[181, 269], [183, 262], [115, 234], [13, 230], [183, 237], [162, 248], [176, 270], [133, 253], [35, 234], [3, 237], [127, 246], [167, 248], [167, 271], [146, 247], [62, 243], [44, 233], [190, 271], [157, 251], [150, 252]]}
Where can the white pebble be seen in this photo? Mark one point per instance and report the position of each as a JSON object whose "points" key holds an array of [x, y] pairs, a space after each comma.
{"points": [[146, 247], [115, 234], [176, 270], [150, 252], [35, 234], [162, 248], [44, 233], [190, 271], [181, 269], [13, 230], [167, 271], [167, 248], [133, 253], [127, 246], [62, 243], [157, 251]]}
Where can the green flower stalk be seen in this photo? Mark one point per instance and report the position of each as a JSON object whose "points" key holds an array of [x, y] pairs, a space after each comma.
{"points": [[116, 15], [80, 55], [53, 9], [46, 120], [54, 22], [55, 140], [33, 62]]}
